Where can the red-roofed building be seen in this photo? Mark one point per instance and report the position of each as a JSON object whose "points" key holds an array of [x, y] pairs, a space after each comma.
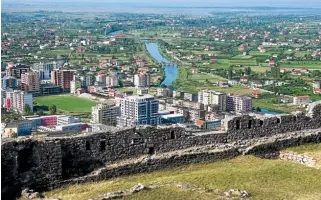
{"points": [[256, 94], [316, 91], [272, 63], [80, 50]]}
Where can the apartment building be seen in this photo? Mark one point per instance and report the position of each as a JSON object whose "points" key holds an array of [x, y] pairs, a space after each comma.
{"points": [[239, 104], [16, 99], [9, 82], [142, 80], [142, 91], [30, 81], [17, 70], [208, 97], [74, 85], [45, 70], [105, 114], [190, 97], [86, 80], [139, 110], [112, 81], [62, 78], [164, 92]]}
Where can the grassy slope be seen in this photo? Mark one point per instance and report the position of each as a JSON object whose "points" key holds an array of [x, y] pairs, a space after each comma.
{"points": [[264, 179], [67, 103]]}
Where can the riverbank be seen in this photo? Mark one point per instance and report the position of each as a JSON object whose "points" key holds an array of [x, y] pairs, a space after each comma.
{"points": [[170, 70]]}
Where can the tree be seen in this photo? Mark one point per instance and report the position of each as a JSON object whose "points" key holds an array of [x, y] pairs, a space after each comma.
{"points": [[258, 109], [52, 109], [27, 110], [230, 73], [248, 70], [14, 135]]}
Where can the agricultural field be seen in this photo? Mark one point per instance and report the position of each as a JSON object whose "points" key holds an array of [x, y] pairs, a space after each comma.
{"points": [[67, 103], [203, 77], [263, 179], [301, 64]]}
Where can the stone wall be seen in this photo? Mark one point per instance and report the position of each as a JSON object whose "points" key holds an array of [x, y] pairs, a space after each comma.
{"points": [[37, 163], [298, 158], [247, 127]]}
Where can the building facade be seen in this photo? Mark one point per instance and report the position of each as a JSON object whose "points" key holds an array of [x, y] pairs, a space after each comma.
{"points": [[301, 100], [16, 100], [142, 80], [239, 104], [139, 110], [17, 70], [62, 78], [30, 81], [9, 82], [112, 81], [105, 114]]}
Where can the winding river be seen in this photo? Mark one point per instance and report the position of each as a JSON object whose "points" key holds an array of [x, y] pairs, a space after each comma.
{"points": [[170, 69]]}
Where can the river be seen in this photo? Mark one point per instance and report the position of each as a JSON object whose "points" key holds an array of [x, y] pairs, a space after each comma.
{"points": [[265, 111], [170, 69]]}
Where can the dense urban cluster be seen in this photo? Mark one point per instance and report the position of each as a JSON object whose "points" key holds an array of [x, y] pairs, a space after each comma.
{"points": [[86, 75]]}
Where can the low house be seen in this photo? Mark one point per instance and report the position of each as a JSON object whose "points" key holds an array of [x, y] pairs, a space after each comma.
{"points": [[316, 91], [256, 94], [272, 63], [257, 84], [296, 72], [244, 79], [18, 128], [194, 70], [301, 100]]}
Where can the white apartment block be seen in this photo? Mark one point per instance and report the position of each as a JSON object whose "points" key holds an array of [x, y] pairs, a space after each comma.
{"points": [[164, 92], [16, 100], [105, 114], [139, 110], [112, 81], [73, 87], [208, 97], [142, 80], [142, 91]]}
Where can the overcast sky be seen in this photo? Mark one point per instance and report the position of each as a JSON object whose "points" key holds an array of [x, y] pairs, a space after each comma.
{"points": [[199, 3]]}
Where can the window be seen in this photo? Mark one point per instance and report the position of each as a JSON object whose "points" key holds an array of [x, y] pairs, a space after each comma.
{"points": [[87, 145], [151, 150], [102, 145], [172, 135], [237, 124], [261, 122], [249, 124], [278, 120], [24, 160]]}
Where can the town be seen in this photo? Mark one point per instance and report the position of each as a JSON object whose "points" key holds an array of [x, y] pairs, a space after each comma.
{"points": [[63, 79], [160, 99]]}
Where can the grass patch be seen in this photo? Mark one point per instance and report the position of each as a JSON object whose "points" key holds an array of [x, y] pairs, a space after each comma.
{"points": [[263, 179], [67, 103]]}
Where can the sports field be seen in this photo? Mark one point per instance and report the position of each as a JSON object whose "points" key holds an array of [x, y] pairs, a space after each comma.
{"points": [[67, 103]]}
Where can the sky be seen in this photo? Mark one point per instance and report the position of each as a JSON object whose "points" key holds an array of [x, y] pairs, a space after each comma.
{"points": [[194, 3]]}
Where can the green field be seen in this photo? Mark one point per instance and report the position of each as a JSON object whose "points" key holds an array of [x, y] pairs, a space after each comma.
{"points": [[67, 103], [301, 64], [263, 179]]}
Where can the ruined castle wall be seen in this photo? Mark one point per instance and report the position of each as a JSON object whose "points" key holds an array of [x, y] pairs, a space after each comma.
{"points": [[247, 127], [34, 163], [177, 160], [29, 163], [81, 155], [151, 165]]}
